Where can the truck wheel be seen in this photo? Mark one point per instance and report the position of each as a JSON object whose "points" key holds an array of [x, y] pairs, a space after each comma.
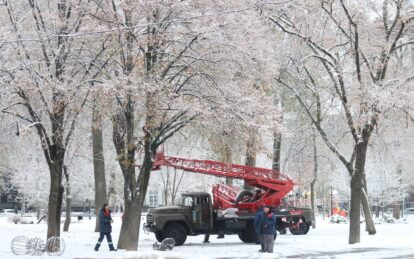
{"points": [[176, 231], [246, 238], [159, 236], [302, 229], [248, 235]]}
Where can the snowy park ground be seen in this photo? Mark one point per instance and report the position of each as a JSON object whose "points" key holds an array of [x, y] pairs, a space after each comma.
{"points": [[394, 240]]}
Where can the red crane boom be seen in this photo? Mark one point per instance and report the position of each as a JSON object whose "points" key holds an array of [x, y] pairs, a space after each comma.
{"points": [[273, 185]]}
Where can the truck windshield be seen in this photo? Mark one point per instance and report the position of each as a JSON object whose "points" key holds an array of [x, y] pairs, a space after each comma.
{"points": [[187, 201]]}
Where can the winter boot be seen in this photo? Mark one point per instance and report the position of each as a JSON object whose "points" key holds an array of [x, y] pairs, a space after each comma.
{"points": [[97, 246], [111, 247]]}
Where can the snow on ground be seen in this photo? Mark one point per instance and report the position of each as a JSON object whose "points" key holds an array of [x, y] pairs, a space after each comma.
{"points": [[326, 241]]}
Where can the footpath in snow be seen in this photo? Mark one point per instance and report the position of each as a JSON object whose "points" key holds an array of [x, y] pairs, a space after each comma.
{"points": [[326, 241]]}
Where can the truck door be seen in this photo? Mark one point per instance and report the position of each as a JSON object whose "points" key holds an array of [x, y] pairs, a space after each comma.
{"points": [[201, 214]]}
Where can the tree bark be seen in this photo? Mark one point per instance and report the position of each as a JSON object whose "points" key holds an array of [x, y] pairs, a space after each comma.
{"points": [[128, 237], [355, 210], [396, 211], [228, 160], [176, 185], [143, 179], [55, 200], [134, 200], [98, 162], [166, 185], [370, 227], [315, 174], [356, 192], [251, 149], [250, 153], [277, 138], [68, 200], [277, 145], [123, 126]]}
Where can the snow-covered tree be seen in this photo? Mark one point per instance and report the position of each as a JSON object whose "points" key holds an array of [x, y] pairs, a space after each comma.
{"points": [[346, 52], [170, 73], [49, 69]]}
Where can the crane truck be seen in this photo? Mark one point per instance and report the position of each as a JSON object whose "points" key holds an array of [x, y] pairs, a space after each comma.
{"points": [[230, 210]]}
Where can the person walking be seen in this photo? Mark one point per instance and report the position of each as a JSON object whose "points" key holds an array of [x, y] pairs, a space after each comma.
{"points": [[105, 227], [269, 230], [258, 227]]}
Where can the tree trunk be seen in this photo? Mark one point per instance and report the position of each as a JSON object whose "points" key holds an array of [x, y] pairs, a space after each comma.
{"points": [[166, 185], [369, 222], [277, 138], [144, 176], [354, 215], [128, 237], [370, 227], [228, 160], [356, 193], [68, 200], [176, 185], [277, 145], [98, 163], [396, 211], [57, 118], [251, 149], [250, 153], [315, 174], [55, 201], [134, 200], [111, 188]]}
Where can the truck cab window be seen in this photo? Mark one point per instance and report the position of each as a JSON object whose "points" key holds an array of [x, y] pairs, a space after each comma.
{"points": [[187, 201], [204, 200]]}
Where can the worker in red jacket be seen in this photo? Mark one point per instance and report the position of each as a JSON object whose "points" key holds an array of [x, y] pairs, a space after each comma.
{"points": [[105, 227]]}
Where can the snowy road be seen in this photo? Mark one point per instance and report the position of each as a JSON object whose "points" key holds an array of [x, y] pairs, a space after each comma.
{"points": [[326, 241]]}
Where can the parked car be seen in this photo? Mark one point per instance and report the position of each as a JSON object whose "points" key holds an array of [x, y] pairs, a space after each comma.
{"points": [[409, 215], [7, 212]]}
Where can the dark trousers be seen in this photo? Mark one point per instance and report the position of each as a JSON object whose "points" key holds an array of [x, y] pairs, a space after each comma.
{"points": [[108, 238], [261, 241], [268, 242]]}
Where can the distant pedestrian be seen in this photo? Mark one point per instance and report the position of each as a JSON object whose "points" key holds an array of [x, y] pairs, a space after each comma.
{"points": [[269, 230], [105, 227], [258, 227]]}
